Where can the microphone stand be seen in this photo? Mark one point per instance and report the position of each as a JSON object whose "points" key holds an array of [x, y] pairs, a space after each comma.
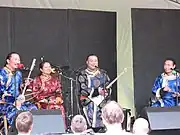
{"points": [[71, 88], [71, 91], [77, 94]]}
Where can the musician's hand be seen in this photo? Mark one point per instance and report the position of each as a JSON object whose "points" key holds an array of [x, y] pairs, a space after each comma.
{"points": [[102, 92], [18, 104], [28, 81], [176, 94], [44, 100], [21, 99], [167, 89], [59, 100], [38, 105], [4, 95]]}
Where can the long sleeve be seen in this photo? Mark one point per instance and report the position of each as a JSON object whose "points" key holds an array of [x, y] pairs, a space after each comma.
{"points": [[58, 88], [2, 83], [156, 85], [10, 84], [107, 80], [18, 80], [178, 84], [84, 90], [36, 87], [109, 90]]}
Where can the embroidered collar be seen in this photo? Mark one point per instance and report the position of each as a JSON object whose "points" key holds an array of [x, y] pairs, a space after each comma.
{"points": [[92, 73], [9, 71], [170, 77]]}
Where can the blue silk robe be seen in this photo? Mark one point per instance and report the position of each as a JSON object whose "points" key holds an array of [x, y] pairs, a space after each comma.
{"points": [[166, 99], [88, 82], [12, 86]]}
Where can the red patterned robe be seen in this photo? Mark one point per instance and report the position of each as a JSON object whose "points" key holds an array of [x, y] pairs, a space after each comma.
{"points": [[51, 91]]}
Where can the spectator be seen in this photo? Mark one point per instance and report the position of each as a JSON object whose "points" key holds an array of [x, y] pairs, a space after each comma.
{"points": [[78, 124], [141, 126], [113, 117], [24, 123]]}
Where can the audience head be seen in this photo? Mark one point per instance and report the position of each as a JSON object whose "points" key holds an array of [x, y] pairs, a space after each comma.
{"points": [[112, 113], [24, 122], [78, 124], [141, 126]]}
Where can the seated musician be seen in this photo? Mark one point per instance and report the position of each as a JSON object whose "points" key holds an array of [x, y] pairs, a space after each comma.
{"points": [[93, 82], [164, 87], [47, 89], [10, 82]]}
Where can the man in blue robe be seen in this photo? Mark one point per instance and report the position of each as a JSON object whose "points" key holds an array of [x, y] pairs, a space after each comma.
{"points": [[10, 84], [93, 91], [167, 85]]}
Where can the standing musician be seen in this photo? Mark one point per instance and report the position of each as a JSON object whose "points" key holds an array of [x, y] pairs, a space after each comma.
{"points": [[47, 89], [93, 82], [167, 85], [10, 85]]}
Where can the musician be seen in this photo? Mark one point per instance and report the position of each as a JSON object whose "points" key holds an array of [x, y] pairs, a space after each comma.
{"points": [[10, 83], [164, 87], [93, 82], [47, 89]]}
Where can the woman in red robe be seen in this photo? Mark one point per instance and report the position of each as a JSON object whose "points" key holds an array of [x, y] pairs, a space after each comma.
{"points": [[47, 89]]}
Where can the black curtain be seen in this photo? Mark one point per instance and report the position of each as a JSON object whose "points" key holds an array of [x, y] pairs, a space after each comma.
{"points": [[63, 37], [155, 37]]}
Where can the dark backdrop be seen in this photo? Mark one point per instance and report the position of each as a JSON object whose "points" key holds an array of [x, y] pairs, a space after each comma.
{"points": [[5, 33], [155, 37], [64, 37]]}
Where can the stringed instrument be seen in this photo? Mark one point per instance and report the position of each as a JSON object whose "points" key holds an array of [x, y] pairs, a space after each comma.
{"points": [[99, 99]]}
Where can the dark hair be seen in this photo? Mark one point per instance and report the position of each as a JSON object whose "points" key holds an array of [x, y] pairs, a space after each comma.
{"points": [[53, 75], [171, 59], [8, 57], [41, 65], [90, 55]]}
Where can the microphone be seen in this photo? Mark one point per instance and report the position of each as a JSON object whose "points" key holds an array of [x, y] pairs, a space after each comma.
{"points": [[42, 58], [53, 70], [103, 71], [174, 71], [21, 67]]}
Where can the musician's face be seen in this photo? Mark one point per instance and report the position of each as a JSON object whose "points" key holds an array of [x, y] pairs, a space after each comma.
{"points": [[46, 69], [92, 62], [13, 61], [168, 66]]}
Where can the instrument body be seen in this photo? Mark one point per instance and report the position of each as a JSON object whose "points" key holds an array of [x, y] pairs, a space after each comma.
{"points": [[10, 91]]}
